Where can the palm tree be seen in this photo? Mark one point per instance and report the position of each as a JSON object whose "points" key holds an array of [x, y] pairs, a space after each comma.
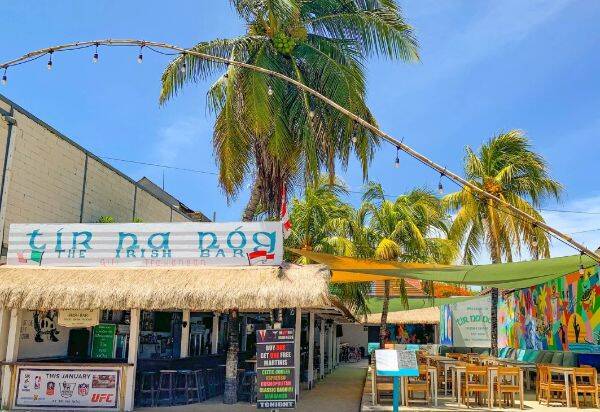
{"points": [[412, 228], [269, 131], [321, 221], [506, 167]]}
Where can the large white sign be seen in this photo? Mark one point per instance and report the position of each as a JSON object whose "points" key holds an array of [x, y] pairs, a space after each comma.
{"points": [[67, 388], [471, 323], [146, 244]]}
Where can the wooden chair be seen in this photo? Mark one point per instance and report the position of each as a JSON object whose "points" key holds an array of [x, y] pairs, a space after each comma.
{"points": [[476, 383], [454, 355], [549, 390], [586, 382], [420, 384], [384, 387], [507, 384]]}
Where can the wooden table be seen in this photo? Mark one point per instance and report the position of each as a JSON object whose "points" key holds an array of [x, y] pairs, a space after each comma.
{"points": [[447, 363], [526, 366]]}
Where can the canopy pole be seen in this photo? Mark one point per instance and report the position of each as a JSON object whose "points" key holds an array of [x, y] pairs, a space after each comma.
{"points": [[398, 143], [185, 334], [297, 341], [244, 333], [311, 348], [134, 340], [214, 334], [12, 354], [322, 349], [330, 349]]}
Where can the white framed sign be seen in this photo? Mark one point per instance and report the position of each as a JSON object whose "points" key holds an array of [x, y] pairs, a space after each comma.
{"points": [[471, 323], [76, 318], [67, 388], [146, 244]]}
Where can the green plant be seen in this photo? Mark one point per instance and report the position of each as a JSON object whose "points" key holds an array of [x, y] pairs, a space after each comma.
{"points": [[106, 219]]}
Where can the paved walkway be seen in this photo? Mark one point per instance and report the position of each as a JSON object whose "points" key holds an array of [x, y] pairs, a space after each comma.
{"points": [[340, 391]]}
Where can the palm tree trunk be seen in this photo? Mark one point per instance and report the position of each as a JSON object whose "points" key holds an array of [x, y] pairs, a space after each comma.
{"points": [[496, 258], [384, 314], [252, 205], [231, 384]]}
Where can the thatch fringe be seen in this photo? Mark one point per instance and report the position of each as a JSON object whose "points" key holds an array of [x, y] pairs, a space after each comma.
{"points": [[429, 316], [164, 288]]}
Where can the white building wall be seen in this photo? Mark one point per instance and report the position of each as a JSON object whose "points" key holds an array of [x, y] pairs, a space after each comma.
{"points": [[355, 334]]}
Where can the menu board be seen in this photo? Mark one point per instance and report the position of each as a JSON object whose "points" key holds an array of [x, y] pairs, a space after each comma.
{"points": [[390, 362], [67, 388], [275, 369], [103, 341]]}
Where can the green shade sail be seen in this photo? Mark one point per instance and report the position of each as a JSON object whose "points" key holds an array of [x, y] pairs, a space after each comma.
{"points": [[376, 304]]}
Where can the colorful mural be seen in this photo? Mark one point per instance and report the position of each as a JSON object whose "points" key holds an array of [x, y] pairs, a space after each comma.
{"points": [[560, 315]]}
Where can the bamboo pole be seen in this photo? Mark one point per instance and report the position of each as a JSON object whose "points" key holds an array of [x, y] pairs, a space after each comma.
{"points": [[399, 144]]}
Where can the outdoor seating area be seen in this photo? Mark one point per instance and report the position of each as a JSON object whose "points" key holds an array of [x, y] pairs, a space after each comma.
{"points": [[466, 380]]}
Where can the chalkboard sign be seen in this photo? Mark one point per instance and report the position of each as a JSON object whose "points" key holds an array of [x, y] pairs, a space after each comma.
{"points": [[103, 341], [275, 369]]}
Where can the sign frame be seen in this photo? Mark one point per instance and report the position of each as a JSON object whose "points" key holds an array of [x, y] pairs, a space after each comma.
{"points": [[101, 393], [277, 342]]}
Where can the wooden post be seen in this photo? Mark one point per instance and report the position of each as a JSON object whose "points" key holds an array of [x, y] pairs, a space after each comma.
{"points": [[134, 339], [322, 349], [12, 353], [185, 335], [330, 349], [244, 334], [4, 327], [214, 334], [311, 349], [297, 343]]}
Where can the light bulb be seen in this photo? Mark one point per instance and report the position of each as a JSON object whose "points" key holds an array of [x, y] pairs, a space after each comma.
{"points": [[270, 91], [311, 114], [140, 58], [95, 58], [354, 139], [183, 68], [49, 65], [581, 270], [440, 188], [4, 80], [397, 162]]}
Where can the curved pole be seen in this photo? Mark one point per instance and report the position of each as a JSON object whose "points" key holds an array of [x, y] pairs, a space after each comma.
{"points": [[399, 144]]}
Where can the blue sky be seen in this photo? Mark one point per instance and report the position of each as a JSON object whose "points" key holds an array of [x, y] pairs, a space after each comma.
{"points": [[486, 67]]}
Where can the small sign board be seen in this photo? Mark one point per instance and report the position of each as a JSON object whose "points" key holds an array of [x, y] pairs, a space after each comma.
{"points": [[103, 341], [74, 318], [391, 362], [275, 369], [72, 388]]}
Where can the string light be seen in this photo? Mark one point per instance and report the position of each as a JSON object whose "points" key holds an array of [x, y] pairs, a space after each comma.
{"points": [[440, 185], [95, 57], [354, 139], [49, 65], [534, 241], [183, 67], [270, 91], [4, 78], [397, 162], [581, 268], [311, 114], [140, 58]]}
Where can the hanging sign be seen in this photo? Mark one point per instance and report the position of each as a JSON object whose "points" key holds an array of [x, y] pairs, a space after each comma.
{"points": [[72, 318], [471, 323], [146, 244], [67, 388], [275, 369], [103, 341]]}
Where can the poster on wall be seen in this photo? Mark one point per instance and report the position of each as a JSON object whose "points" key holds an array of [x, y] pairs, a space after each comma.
{"points": [[67, 388], [42, 336], [146, 244], [275, 369], [72, 318], [563, 314], [445, 325], [103, 341], [471, 323]]}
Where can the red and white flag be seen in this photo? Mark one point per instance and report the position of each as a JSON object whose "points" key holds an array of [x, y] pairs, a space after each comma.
{"points": [[260, 256], [285, 216]]}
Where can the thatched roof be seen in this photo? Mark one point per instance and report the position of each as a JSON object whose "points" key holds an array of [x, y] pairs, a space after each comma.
{"points": [[426, 315], [164, 288]]}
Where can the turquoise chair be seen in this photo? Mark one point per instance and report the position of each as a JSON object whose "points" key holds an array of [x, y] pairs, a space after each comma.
{"points": [[530, 355], [569, 359], [502, 352], [520, 354], [557, 358]]}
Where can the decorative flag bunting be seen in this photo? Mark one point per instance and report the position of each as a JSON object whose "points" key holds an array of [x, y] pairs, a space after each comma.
{"points": [[285, 216]]}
